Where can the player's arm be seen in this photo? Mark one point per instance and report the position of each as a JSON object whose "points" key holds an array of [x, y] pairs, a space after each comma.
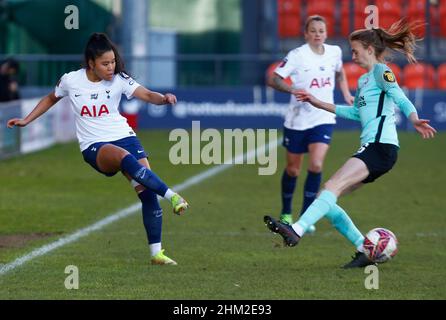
{"points": [[153, 97], [304, 96], [386, 81], [347, 112], [409, 110], [341, 79], [277, 82], [43, 106]]}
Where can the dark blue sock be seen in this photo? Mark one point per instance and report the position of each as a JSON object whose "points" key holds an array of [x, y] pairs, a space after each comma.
{"points": [[152, 215], [143, 175], [288, 186], [311, 188]]}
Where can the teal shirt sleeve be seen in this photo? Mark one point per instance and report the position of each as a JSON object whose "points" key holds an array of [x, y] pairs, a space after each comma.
{"points": [[386, 81], [349, 112]]}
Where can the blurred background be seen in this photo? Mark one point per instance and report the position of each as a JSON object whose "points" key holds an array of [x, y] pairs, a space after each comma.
{"points": [[214, 54]]}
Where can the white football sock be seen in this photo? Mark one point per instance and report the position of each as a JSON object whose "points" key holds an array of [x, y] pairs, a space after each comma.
{"points": [[155, 248]]}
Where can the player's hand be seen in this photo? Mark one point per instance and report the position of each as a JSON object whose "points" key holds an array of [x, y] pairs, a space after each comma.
{"points": [[423, 128], [349, 99], [302, 95], [170, 98], [16, 122]]}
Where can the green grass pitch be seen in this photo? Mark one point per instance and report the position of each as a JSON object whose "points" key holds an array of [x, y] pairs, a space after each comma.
{"points": [[223, 249]]}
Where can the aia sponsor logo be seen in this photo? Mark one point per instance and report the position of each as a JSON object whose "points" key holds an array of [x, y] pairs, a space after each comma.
{"points": [[320, 83], [94, 111]]}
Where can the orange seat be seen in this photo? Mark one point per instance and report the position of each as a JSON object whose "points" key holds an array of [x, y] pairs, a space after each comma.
{"points": [[325, 9], [270, 71], [442, 22], [389, 12], [353, 72], [441, 76], [359, 16], [396, 71], [417, 12], [419, 76], [289, 21]]}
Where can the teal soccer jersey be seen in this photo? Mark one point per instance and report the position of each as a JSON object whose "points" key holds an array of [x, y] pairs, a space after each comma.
{"points": [[374, 105]]}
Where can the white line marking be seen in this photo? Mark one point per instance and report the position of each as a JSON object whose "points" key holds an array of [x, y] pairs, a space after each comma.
{"points": [[127, 212]]}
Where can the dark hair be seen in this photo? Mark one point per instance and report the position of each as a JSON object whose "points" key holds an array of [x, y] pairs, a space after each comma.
{"points": [[97, 45], [398, 37], [312, 18], [12, 64]]}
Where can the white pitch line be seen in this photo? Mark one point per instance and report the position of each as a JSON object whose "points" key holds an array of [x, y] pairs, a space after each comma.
{"points": [[126, 212]]}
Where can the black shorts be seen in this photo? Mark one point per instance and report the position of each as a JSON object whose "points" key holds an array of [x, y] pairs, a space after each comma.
{"points": [[378, 157]]}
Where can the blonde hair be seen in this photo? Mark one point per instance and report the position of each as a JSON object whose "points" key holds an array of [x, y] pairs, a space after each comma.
{"points": [[312, 18]]}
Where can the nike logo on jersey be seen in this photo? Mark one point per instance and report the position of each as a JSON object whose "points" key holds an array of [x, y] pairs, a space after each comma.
{"points": [[77, 95], [327, 137], [140, 151]]}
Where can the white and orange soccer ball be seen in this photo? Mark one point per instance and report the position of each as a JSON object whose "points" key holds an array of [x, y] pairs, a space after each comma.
{"points": [[380, 245]]}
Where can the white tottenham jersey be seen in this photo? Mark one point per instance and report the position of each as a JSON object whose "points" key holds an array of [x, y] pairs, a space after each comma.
{"points": [[316, 74], [95, 105]]}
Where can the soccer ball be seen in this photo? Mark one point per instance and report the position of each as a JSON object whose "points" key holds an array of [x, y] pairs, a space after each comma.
{"points": [[380, 245]]}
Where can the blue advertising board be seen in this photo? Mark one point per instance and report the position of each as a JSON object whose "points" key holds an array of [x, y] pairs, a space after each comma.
{"points": [[261, 107]]}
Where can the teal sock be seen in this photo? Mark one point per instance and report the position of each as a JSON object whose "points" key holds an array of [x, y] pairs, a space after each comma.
{"points": [[342, 222], [319, 208]]}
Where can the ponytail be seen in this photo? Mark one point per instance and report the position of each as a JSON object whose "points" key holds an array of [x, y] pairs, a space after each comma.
{"points": [[399, 37]]}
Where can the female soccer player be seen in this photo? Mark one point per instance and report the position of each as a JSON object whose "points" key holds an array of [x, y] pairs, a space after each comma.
{"points": [[377, 93], [107, 142], [313, 67]]}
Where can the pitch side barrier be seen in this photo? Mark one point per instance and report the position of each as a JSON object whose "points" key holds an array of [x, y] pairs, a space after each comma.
{"points": [[56, 125], [261, 107], [221, 108]]}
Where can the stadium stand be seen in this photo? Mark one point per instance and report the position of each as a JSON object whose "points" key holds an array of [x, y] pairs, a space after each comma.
{"points": [[441, 76], [358, 16], [326, 9], [389, 12], [419, 76], [289, 19], [353, 72]]}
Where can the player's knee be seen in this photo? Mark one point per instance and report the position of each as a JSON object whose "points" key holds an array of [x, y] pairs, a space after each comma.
{"points": [[292, 171], [315, 166]]}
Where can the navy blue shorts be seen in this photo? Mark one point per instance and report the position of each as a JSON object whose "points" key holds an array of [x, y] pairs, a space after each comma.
{"points": [[297, 141], [131, 144]]}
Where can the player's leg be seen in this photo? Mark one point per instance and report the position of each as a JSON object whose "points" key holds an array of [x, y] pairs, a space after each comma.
{"points": [[152, 215], [350, 174], [294, 143], [111, 158], [288, 184], [319, 139], [316, 157]]}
